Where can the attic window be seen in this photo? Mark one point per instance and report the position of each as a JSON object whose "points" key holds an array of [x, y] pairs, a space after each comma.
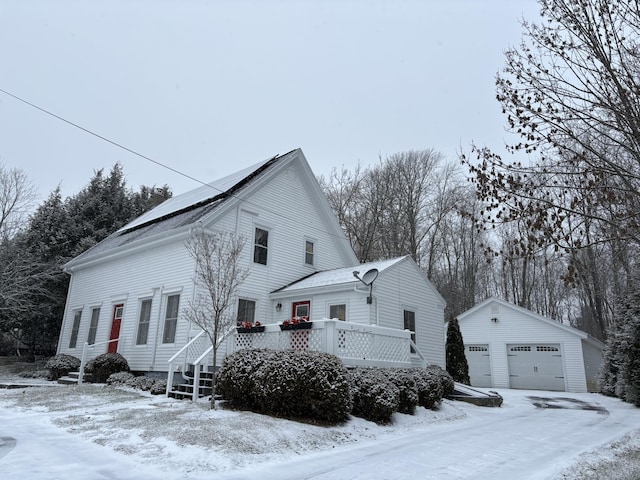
{"points": [[261, 246], [308, 252]]}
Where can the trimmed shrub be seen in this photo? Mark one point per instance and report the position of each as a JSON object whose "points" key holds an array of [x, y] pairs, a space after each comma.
{"points": [[430, 388], [235, 381], [140, 383], [120, 378], [375, 397], [60, 365], [159, 387], [446, 380], [405, 380], [287, 383], [101, 367]]}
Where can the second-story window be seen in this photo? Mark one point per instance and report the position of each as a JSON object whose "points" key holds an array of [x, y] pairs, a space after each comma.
{"points": [[308, 252], [261, 246]]}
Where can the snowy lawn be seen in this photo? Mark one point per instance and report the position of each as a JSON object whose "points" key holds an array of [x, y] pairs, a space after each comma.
{"points": [[98, 432]]}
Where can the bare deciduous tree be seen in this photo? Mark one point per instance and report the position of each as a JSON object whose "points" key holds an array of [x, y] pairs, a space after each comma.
{"points": [[218, 274], [17, 194]]}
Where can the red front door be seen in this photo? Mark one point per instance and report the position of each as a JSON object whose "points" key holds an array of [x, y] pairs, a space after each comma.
{"points": [[301, 309], [115, 328]]}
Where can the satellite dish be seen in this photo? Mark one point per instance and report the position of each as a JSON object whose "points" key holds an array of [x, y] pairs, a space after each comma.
{"points": [[369, 277]]}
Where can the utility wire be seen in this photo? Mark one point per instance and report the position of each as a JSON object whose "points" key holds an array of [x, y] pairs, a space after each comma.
{"points": [[118, 145], [97, 135]]}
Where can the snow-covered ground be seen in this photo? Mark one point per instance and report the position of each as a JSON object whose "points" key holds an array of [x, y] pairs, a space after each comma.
{"points": [[96, 432]]}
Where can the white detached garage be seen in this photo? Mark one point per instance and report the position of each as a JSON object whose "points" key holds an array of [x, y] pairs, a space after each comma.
{"points": [[508, 346]]}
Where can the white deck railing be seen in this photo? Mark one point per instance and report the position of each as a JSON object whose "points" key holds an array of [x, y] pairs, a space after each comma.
{"points": [[355, 344]]}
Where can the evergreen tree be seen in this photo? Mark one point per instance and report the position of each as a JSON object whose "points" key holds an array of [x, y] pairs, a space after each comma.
{"points": [[56, 232], [457, 365], [620, 374]]}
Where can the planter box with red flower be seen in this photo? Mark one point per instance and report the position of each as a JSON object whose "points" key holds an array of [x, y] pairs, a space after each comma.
{"points": [[296, 323], [248, 327]]}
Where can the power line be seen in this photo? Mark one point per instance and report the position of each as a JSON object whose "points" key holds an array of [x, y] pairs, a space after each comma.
{"points": [[97, 135], [119, 145]]}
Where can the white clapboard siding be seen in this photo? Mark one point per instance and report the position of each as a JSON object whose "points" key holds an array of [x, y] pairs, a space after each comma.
{"points": [[151, 274], [404, 287]]}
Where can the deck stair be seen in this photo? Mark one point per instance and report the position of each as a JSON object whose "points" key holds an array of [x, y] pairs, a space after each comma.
{"points": [[186, 388]]}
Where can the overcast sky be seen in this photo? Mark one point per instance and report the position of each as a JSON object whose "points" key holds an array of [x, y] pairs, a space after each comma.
{"points": [[210, 87]]}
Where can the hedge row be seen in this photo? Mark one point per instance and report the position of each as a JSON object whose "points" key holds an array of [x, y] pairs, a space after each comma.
{"points": [[317, 386], [379, 392]]}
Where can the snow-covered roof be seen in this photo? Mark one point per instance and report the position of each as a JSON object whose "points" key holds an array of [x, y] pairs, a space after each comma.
{"points": [[338, 276], [194, 197]]}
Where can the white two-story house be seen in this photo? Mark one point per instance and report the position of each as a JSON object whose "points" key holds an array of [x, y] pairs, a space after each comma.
{"points": [[128, 293]]}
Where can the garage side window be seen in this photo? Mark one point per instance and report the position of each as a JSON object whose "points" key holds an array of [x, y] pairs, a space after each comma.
{"points": [[75, 328], [410, 324], [171, 319]]}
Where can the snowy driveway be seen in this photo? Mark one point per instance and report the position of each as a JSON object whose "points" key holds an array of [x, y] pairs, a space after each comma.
{"points": [[519, 440], [93, 434]]}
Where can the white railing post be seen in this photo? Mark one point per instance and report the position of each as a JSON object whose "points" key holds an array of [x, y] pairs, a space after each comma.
{"points": [[83, 362]]}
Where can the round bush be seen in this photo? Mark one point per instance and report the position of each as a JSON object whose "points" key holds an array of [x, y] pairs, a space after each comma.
{"points": [[60, 365], [404, 379], [446, 380], [101, 367], [375, 397]]}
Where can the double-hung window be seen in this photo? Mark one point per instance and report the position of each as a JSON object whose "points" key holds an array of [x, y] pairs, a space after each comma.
{"points": [[246, 311], [143, 322], [77, 315], [93, 326], [338, 311], [261, 246], [308, 252], [171, 319]]}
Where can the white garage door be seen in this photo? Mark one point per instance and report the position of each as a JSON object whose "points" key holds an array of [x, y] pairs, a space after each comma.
{"points": [[536, 366], [479, 365]]}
